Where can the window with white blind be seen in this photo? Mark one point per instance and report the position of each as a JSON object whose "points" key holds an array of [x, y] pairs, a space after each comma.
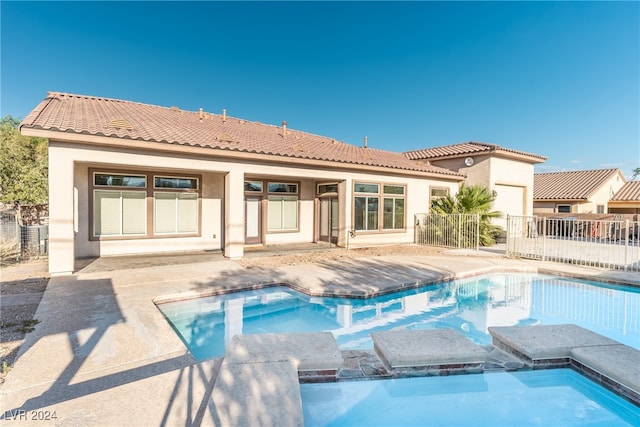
{"points": [[120, 213], [283, 213], [168, 207], [282, 207], [175, 213]]}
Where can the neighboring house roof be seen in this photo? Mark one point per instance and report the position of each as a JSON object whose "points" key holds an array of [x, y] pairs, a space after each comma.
{"points": [[470, 148], [573, 185], [79, 114], [630, 192]]}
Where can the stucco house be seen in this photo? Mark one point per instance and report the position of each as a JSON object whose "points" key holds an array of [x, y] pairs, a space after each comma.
{"points": [[509, 173], [626, 200], [131, 178], [586, 191]]}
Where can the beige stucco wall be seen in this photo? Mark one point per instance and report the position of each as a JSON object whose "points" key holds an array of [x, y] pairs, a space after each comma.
{"points": [[544, 208], [603, 194], [222, 202], [493, 172]]}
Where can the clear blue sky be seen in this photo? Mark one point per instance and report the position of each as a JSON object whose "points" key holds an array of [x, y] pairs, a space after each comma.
{"points": [[560, 79]]}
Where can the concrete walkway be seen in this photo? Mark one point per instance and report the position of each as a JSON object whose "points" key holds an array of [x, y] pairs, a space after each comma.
{"points": [[104, 355]]}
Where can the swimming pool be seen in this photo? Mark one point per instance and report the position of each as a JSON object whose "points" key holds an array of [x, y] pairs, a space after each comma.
{"points": [[527, 398], [470, 306]]}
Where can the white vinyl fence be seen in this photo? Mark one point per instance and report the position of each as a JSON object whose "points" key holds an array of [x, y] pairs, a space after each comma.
{"points": [[610, 244], [450, 231]]}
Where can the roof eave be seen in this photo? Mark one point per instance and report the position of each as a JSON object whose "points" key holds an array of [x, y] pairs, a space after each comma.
{"points": [[111, 141], [556, 199], [500, 153]]}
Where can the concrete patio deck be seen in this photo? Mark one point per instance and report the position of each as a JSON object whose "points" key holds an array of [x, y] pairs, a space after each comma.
{"points": [[104, 355]]}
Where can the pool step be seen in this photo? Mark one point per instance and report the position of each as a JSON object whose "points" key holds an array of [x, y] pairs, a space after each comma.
{"points": [[428, 352], [257, 394], [607, 362], [259, 380]]}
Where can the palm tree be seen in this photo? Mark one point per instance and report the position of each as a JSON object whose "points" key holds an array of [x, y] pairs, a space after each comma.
{"points": [[636, 173], [472, 199]]}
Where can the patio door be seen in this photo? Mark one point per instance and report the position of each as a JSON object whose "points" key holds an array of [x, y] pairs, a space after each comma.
{"points": [[328, 219], [253, 219]]}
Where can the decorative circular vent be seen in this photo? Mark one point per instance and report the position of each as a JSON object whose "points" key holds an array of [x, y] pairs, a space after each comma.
{"points": [[120, 124]]}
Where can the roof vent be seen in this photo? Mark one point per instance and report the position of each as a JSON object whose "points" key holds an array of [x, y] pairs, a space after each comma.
{"points": [[225, 137], [366, 142], [201, 114], [297, 147], [284, 128], [224, 115], [120, 124]]}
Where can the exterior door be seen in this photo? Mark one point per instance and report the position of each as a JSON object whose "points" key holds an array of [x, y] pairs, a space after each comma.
{"points": [[253, 219], [328, 220]]}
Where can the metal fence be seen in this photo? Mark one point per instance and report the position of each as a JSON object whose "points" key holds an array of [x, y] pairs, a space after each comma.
{"points": [[613, 244], [450, 231], [21, 242]]}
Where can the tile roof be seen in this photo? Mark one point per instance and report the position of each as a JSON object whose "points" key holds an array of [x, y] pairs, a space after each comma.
{"points": [[465, 149], [79, 114], [630, 192], [573, 185]]}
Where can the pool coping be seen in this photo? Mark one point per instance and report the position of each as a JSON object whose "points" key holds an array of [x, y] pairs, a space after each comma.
{"points": [[184, 296]]}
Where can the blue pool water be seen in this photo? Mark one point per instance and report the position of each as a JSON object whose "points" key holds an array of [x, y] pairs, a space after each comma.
{"points": [[469, 306], [558, 397]]}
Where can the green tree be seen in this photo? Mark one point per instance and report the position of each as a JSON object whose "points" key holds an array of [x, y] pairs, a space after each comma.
{"points": [[23, 166], [636, 173], [472, 199]]}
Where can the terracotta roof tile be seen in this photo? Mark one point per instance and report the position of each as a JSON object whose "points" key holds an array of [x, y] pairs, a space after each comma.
{"points": [[630, 192], [573, 185], [465, 149], [61, 112]]}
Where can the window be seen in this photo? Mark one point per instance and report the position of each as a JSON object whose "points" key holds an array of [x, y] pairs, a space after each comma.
{"points": [[281, 187], [366, 188], [438, 193], [393, 207], [167, 182], [282, 207], [124, 206], [117, 180], [600, 209], [253, 186], [366, 213], [563, 208], [368, 210], [327, 188], [283, 213], [175, 213], [119, 213]]}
